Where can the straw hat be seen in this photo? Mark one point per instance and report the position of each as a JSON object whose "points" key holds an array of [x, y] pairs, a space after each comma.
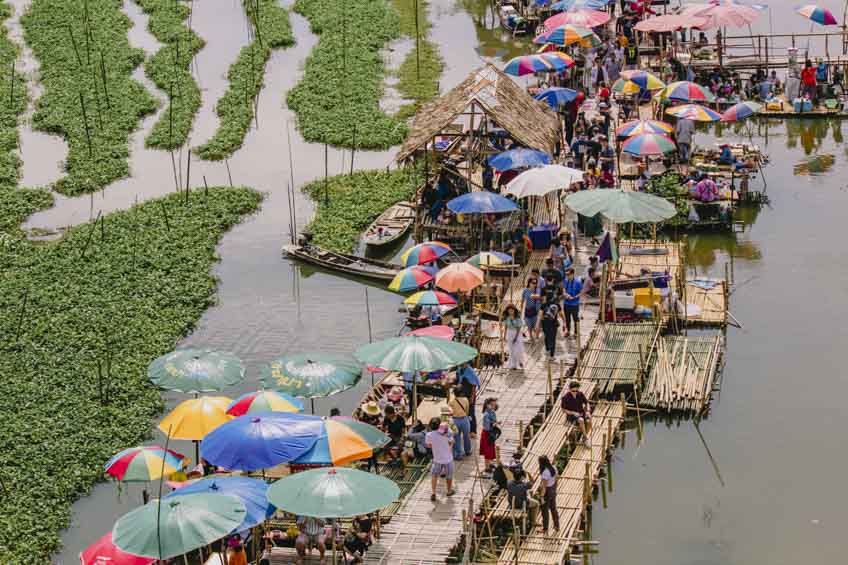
{"points": [[371, 408], [395, 394]]}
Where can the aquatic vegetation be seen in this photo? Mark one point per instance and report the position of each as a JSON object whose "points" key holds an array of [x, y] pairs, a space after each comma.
{"points": [[80, 319], [79, 42], [272, 30], [418, 75], [338, 99], [347, 204], [169, 69]]}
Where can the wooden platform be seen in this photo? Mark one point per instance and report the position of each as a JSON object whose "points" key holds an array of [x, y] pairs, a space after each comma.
{"points": [[673, 385], [712, 304], [632, 257], [612, 356]]}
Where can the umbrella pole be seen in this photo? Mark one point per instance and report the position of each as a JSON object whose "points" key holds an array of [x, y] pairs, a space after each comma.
{"points": [[196, 451], [312, 401], [333, 534], [414, 396], [159, 501]]}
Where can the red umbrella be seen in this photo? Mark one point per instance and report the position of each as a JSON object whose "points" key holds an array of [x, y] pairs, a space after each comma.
{"points": [[104, 552]]}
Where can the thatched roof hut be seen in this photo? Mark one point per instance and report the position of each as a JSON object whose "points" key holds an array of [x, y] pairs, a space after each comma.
{"points": [[491, 92]]}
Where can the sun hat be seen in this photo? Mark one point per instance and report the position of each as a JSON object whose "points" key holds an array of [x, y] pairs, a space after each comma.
{"points": [[371, 408], [395, 394]]}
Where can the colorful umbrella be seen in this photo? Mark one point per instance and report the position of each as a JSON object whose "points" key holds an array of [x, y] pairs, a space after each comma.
{"points": [[343, 441], [583, 17], [410, 278], [741, 111], [624, 86], [621, 206], [166, 528], [194, 418], [142, 464], [459, 277], [536, 63], [648, 144], [489, 259], [333, 493], [104, 552], [694, 112], [196, 370], [556, 97], [264, 401], [568, 34], [559, 55], [643, 79], [518, 159], [637, 127], [412, 354], [817, 14], [430, 298], [564, 5], [723, 14], [440, 332], [261, 441], [686, 91], [670, 22], [253, 493], [311, 375], [542, 180], [481, 202], [427, 252]]}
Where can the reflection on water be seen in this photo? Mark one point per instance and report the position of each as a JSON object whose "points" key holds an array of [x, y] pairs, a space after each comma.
{"points": [[815, 165]]}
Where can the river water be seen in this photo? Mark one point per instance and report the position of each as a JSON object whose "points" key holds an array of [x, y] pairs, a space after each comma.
{"points": [[773, 430]]}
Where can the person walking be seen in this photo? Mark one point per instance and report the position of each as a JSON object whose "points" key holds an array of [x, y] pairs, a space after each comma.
{"points": [[467, 383], [490, 433], [550, 323], [511, 330], [531, 299], [683, 131], [571, 288], [548, 480], [459, 406], [440, 442]]}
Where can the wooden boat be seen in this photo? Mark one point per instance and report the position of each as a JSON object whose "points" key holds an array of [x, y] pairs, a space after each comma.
{"points": [[511, 20], [344, 263], [390, 226]]}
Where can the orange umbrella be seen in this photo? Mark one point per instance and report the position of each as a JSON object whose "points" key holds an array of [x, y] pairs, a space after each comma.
{"points": [[459, 277]]}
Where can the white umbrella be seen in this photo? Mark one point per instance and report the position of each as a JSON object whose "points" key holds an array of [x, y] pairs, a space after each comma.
{"points": [[539, 181]]}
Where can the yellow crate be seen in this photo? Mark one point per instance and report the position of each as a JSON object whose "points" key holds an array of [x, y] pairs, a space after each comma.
{"points": [[642, 297]]}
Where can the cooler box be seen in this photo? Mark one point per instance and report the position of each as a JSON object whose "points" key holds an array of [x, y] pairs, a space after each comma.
{"points": [[540, 236], [642, 297], [798, 105], [807, 105]]}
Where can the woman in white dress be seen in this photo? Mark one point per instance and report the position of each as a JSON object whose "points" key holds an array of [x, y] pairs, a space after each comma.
{"points": [[511, 333]]}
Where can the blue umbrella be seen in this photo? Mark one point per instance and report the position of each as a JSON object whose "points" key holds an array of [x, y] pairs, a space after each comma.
{"points": [[260, 441], [565, 5], [557, 96], [481, 202], [519, 159], [252, 492]]}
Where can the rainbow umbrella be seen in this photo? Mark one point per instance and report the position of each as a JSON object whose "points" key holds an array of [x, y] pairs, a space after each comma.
{"points": [[817, 14], [104, 552], [264, 401], [648, 144], [518, 159], [410, 278], [583, 17], [568, 34], [624, 86], [427, 252], [556, 97], [142, 464], [459, 277], [686, 91], [558, 55], [194, 418], [741, 111], [636, 127], [489, 259], [343, 441], [694, 112], [536, 63], [430, 298], [643, 79]]}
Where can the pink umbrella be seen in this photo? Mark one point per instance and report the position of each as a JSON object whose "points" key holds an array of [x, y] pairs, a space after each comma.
{"points": [[723, 15], [671, 22], [584, 18], [104, 552], [440, 332]]}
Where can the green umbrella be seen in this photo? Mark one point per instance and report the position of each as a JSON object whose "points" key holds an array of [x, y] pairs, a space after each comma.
{"points": [[311, 375], [196, 370], [334, 492], [184, 523], [411, 354], [621, 206]]}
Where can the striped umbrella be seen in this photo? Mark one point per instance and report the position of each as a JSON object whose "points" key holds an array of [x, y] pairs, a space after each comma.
{"points": [[741, 111], [410, 278], [264, 401], [343, 441], [426, 252], [583, 17], [636, 127], [644, 79], [686, 91], [142, 464], [430, 298], [648, 144], [536, 63], [556, 97], [566, 58], [490, 259], [694, 112], [568, 34], [624, 86], [817, 14]]}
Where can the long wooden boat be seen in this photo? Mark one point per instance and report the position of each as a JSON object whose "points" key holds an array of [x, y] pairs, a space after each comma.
{"points": [[511, 20], [390, 226], [343, 263]]}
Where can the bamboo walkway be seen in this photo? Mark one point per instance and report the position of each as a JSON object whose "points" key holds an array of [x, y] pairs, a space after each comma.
{"points": [[617, 354]]}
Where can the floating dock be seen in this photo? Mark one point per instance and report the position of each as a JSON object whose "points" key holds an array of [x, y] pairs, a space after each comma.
{"points": [[683, 374]]}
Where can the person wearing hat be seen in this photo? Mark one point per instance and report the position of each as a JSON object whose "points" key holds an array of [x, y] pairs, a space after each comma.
{"points": [[576, 407], [370, 413], [440, 441], [467, 383], [396, 398]]}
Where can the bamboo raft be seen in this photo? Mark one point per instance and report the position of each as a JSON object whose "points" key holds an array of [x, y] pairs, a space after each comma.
{"points": [[712, 304], [633, 257], [617, 354], [683, 373]]}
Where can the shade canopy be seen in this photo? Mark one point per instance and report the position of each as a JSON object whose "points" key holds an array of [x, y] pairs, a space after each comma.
{"points": [[568, 34], [694, 112], [430, 298], [410, 278], [637, 127], [646, 144], [722, 14], [578, 4], [426, 252], [104, 552], [196, 370], [343, 441], [261, 441], [415, 354], [621, 206], [686, 91], [625, 86], [557, 96], [144, 463], [336, 492], [584, 17], [518, 159], [459, 277], [486, 259], [264, 401], [542, 180], [536, 63], [311, 374], [440, 332], [817, 14], [253, 493], [670, 22], [481, 202], [644, 79], [194, 418], [184, 524], [741, 111]]}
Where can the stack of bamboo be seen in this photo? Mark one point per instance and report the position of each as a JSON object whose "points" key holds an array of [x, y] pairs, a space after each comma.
{"points": [[683, 373]]}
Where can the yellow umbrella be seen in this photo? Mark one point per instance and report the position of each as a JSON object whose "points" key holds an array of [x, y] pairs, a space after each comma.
{"points": [[194, 418]]}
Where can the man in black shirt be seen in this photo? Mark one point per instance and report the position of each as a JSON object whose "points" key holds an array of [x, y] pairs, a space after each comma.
{"points": [[394, 426], [549, 272], [576, 407]]}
